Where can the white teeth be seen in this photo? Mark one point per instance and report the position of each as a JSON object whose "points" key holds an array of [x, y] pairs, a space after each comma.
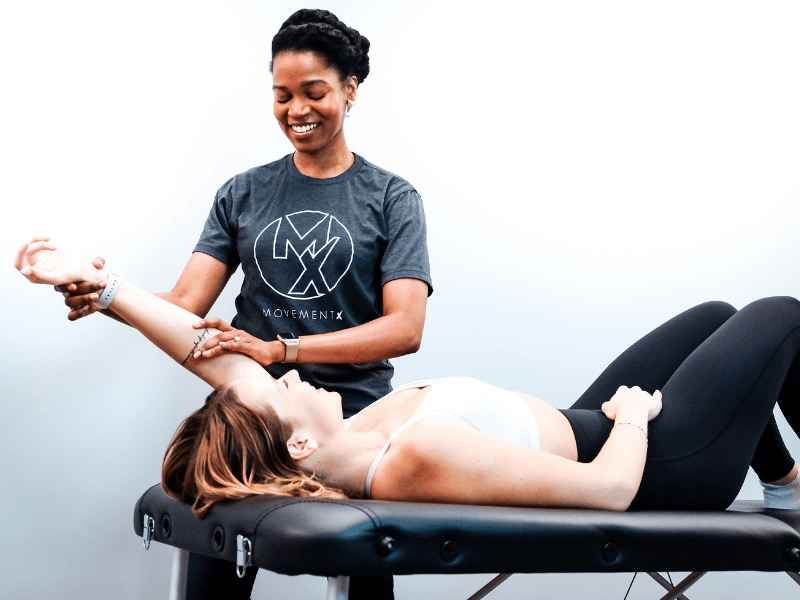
{"points": [[304, 128]]}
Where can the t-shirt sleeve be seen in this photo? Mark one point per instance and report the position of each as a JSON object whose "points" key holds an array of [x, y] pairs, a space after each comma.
{"points": [[406, 254], [219, 233]]}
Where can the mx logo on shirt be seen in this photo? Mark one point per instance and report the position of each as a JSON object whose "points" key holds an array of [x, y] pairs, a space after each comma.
{"points": [[303, 255]]}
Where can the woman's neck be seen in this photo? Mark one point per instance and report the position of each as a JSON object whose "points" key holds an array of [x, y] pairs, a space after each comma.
{"points": [[344, 461], [324, 164]]}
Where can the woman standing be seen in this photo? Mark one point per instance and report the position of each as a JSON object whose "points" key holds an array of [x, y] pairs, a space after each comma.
{"points": [[333, 248]]}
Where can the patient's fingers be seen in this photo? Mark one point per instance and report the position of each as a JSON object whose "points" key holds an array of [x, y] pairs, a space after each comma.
{"points": [[40, 242], [657, 401], [37, 247], [29, 257]]}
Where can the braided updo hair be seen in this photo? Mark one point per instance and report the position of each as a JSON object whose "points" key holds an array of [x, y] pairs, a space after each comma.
{"points": [[320, 31]]}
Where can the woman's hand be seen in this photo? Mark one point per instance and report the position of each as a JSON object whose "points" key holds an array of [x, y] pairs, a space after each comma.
{"points": [[42, 262], [80, 296], [234, 340], [631, 398]]}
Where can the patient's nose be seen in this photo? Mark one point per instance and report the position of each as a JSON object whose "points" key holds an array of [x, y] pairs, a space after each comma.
{"points": [[292, 376]]}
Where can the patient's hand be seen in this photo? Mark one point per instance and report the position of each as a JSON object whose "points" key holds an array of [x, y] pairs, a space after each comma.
{"points": [[42, 262], [634, 396]]}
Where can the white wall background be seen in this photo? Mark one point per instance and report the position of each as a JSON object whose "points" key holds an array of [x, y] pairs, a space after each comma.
{"points": [[589, 169]]}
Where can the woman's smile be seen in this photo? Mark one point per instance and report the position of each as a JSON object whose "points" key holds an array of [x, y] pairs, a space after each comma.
{"points": [[304, 128]]}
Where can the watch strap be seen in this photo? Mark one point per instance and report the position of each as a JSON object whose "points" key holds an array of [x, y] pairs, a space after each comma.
{"points": [[292, 344], [109, 292]]}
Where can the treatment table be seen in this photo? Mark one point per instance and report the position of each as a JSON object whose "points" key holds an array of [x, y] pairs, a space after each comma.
{"points": [[341, 538]]}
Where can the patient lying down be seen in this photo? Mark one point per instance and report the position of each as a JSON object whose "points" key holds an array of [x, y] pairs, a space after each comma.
{"points": [[458, 440]]}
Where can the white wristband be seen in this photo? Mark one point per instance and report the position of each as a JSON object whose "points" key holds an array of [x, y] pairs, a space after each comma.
{"points": [[110, 291]]}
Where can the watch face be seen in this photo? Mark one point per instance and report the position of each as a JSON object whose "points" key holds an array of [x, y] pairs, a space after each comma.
{"points": [[287, 336]]}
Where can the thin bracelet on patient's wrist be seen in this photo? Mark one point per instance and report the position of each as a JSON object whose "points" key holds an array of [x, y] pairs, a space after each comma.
{"points": [[631, 424]]}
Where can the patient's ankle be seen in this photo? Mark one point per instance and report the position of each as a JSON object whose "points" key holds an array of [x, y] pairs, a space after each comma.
{"points": [[792, 475]]}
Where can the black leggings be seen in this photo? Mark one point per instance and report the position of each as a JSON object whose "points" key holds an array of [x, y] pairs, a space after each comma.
{"points": [[721, 373]]}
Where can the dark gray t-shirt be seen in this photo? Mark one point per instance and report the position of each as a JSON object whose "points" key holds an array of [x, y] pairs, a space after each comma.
{"points": [[315, 255]]}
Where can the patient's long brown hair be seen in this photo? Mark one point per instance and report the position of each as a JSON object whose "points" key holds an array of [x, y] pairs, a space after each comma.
{"points": [[227, 451]]}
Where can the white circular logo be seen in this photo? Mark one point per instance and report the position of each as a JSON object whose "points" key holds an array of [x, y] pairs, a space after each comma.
{"points": [[303, 255]]}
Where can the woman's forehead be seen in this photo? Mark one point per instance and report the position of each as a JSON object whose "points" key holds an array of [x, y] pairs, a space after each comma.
{"points": [[302, 64], [255, 391]]}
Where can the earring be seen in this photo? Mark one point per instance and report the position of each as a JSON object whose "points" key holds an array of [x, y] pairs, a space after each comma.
{"points": [[350, 105]]}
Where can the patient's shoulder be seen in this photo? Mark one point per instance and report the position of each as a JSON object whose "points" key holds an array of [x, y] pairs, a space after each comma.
{"points": [[417, 458]]}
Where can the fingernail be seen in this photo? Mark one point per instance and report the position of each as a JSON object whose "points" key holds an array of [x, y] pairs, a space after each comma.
{"points": [[93, 296]]}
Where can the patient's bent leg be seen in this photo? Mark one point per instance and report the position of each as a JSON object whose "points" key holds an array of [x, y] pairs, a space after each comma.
{"points": [[651, 361], [717, 405]]}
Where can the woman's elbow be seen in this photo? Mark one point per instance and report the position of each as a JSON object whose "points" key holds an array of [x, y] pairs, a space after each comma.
{"points": [[616, 494], [617, 504], [409, 341], [413, 343]]}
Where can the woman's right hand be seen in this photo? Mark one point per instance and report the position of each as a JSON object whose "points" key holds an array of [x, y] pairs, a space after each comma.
{"points": [[633, 398], [80, 296], [236, 340]]}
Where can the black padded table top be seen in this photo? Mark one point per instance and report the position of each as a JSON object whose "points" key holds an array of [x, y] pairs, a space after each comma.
{"points": [[367, 537]]}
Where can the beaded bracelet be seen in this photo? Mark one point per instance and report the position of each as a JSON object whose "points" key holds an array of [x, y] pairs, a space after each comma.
{"points": [[633, 425], [110, 291]]}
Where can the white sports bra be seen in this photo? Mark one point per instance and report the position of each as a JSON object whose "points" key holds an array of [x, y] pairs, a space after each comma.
{"points": [[485, 408]]}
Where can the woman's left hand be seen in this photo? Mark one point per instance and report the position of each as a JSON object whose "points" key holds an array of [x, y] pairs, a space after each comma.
{"points": [[633, 397], [233, 340]]}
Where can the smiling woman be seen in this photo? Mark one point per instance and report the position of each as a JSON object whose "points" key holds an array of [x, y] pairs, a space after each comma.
{"points": [[311, 101], [333, 248]]}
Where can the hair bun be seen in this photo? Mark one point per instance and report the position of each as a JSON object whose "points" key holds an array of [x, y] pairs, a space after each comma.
{"points": [[363, 56], [319, 30], [310, 15]]}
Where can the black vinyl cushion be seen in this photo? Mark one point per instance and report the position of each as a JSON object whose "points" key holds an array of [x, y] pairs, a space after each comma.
{"points": [[368, 537]]}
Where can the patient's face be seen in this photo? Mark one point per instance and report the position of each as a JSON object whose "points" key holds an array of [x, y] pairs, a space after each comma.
{"points": [[295, 401]]}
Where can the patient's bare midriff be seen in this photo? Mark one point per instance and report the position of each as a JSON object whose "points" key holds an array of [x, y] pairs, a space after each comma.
{"points": [[555, 432]]}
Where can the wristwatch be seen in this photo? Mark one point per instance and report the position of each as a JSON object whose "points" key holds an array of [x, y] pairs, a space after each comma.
{"points": [[292, 344]]}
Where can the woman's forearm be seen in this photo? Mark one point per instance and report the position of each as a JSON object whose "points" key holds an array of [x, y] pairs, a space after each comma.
{"points": [[620, 462], [397, 332], [170, 297], [169, 327], [386, 337]]}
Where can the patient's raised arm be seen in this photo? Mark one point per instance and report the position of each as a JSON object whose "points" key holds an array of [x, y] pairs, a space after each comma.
{"points": [[169, 327]]}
